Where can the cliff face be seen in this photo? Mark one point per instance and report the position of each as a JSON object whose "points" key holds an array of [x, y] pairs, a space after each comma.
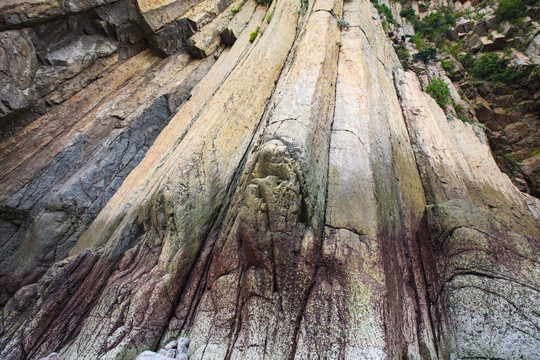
{"points": [[294, 195]]}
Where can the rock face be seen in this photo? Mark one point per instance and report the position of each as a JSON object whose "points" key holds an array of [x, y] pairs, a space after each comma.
{"points": [[293, 196]]}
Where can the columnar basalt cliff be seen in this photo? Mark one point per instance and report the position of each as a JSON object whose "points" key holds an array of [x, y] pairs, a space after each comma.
{"points": [[265, 179]]}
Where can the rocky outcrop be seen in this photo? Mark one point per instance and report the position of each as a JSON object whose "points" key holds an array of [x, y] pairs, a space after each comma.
{"points": [[481, 240], [294, 196]]}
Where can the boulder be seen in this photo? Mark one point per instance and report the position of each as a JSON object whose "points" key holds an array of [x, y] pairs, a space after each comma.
{"points": [[491, 21]]}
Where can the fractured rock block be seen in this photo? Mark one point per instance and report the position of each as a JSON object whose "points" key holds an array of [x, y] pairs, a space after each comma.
{"points": [[18, 66], [481, 28], [499, 40], [508, 29], [238, 23], [170, 23], [464, 25], [473, 43], [172, 38], [533, 50], [208, 39], [486, 44], [16, 12]]}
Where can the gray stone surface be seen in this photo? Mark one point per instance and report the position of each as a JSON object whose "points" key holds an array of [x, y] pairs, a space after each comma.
{"points": [[18, 66]]}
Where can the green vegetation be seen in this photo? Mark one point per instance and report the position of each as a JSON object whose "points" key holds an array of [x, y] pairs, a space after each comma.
{"points": [[271, 15], [535, 152], [460, 111], [343, 24], [494, 68], [433, 27], [439, 91], [511, 10], [418, 42], [237, 10], [479, 16], [385, 11], [409, 14], [448, 65], [512, 156], [426, 55], [264, 2], [254, 34], [456, 49], [467, 60], [402, 51]]}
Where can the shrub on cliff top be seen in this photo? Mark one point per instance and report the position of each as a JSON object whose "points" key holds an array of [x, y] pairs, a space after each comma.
{"points": [[489, 66], [467, 60], [439, 91], [510, 10], [408, 14], [384, 10], [426, 55], [435, 25], [492, 67]]}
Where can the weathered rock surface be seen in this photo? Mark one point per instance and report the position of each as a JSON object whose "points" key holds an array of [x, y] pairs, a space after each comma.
{"points": [[297, 197], [18, 69], [482, 237]]}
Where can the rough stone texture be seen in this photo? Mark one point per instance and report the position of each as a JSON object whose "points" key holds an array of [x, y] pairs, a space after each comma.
{"points": [[292, 198], [18, 66], [53, 60], [534, 49], [208, 38], [106, 141], [16, 12], [481, 242], [169, 23], [234, 28]]}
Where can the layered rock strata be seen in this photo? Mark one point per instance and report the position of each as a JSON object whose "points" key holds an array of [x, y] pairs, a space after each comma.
{"points": [[294, 196]]}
